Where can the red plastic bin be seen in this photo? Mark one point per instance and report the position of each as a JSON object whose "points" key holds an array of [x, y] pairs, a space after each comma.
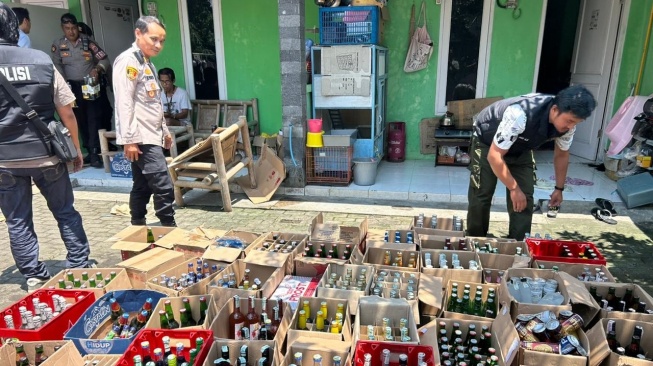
{"points": [[549, 250], [154, 336], [375, 348], [55, 328]]}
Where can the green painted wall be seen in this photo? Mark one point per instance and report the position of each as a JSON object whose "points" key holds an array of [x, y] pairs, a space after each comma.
{"points": [[411, 96], [635, 37], [514, 50], [251, 47]]}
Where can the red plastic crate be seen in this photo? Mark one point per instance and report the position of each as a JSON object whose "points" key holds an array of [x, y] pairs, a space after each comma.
{"points": [[375, 348], [154, 336], [549, 250], [55, 328]]}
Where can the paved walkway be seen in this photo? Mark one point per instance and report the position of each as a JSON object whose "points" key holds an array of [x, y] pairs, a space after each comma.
{"points": [[627, 245]]}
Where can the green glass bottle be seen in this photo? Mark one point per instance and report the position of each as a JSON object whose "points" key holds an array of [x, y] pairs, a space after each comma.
{"points": [[98, 277], [77, 283], [466, 305], [193, 355], [183, 318], [478, 306], [92, 283], [189, 312], [84, 276], [163, 320], [204, 307], [70, 276], [62, 284], [150, 236], [171, 316], [334, 247]]}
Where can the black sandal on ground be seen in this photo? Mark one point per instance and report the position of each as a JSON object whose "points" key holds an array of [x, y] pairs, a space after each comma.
{"points": [[606, 205]]}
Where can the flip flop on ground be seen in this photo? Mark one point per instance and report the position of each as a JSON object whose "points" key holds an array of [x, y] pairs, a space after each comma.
{"points": [[606, 205], [603, 215]]}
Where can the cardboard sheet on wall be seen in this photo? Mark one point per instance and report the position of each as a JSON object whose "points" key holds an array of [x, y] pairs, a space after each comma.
{"points": [[346, 60], [346, 85]]}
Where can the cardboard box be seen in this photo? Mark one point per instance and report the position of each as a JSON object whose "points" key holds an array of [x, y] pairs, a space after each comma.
{"points": [[311, 346], [270, 172], [102, 360], [331, 232], [270, 278], [427, 127], [576, 296], [371, 311], [505, 339], [495, 266], [359, 57], [274, 143], [226, 254], [443, 225], [235, 347], [66, 355], [151, 263], [315, 266], [292, 288], [439, 242], [332, 306], [89, 331], [337, 292], [466, 274], [262, 250], [392, 236], [528, 357], [376, 257], [598, 342], [437, 232], [426, 289], [574, 269], [120, 282], [448, 313], [177, 304], [602, 290], [198, 288], [504, 261], [132, 240], [220, 325], [465, 110]]}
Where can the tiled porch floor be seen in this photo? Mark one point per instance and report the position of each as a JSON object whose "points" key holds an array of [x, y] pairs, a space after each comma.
{"points": [[419, 180]]}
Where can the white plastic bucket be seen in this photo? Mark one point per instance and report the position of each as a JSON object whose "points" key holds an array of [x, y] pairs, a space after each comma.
{"points": [[365, 171]]}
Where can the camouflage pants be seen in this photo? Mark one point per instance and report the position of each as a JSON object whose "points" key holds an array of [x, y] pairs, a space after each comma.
{"points": [[482, 184]]}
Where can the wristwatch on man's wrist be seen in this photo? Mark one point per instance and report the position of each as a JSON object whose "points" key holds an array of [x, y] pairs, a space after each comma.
{"points": [[559, 188]]}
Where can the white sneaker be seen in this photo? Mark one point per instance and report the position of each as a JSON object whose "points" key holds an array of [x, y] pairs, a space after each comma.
{"points": [[36, 283]]}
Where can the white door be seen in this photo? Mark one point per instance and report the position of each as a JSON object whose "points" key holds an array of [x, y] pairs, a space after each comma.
{"points": [[591, 66], [113, 24]]}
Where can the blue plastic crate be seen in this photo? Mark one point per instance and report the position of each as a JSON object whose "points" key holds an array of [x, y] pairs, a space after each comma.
{"points": [[349, 25]]}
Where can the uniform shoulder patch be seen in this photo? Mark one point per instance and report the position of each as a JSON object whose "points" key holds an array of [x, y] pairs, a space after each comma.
{"points": [[132, 73], [54, 48]]}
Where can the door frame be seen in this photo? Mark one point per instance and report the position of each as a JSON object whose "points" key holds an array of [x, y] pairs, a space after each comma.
{"points": [[219, 48], [614, 72], [485, 45]]}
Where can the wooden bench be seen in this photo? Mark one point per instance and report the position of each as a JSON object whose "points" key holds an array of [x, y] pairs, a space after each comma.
{"points": [[213, 162]]}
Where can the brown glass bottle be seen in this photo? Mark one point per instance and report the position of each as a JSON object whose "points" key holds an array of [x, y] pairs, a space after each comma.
{"points": [[252, 319], [612, 336], [20, 353], [236, 321], [634, 348]]}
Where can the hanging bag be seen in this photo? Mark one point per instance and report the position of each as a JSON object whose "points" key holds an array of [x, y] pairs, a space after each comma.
{"points": [[61, 141], [421, 46]]}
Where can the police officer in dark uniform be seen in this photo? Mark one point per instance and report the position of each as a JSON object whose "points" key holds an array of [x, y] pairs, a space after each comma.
{"points": [[26, 157], [505, 135], [77, 56]]}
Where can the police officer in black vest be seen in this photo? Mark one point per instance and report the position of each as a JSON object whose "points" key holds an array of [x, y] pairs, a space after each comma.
{"points": [[505, 135], [25, 155], [76, 56]]}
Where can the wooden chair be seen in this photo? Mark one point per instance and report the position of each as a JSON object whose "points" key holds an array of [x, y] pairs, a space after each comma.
{"points": [[105, 136], [223, 113], [213, 162]]}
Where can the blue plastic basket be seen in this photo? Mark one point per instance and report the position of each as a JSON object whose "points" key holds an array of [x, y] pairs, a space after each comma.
{"points": [[349, 25]]}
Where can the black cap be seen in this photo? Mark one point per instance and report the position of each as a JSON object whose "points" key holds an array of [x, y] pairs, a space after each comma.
{"points": [[68, 18]]}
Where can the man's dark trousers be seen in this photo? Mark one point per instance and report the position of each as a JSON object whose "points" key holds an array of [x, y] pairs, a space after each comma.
{"points": [[150, 176], [16, 204], [90, 119], [482, 184]]}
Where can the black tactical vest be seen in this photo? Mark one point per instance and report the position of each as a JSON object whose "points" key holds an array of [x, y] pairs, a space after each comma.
{"points": [[538, 129], [31, 72]]}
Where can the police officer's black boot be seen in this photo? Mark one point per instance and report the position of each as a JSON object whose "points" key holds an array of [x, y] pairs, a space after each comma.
{"points": [[96, 161]]}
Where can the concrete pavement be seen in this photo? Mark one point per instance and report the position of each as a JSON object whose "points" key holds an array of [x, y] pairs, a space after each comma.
{"points": [[627, 245]]}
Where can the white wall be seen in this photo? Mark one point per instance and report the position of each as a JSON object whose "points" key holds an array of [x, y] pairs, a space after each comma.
{"points": [[46, 25]]}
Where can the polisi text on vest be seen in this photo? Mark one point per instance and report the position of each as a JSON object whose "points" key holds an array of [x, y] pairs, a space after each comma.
{"points": [[16, 73]]}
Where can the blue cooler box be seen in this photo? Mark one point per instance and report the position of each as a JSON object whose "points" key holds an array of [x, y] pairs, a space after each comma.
{"points": [[120, 166], [99, 314]]}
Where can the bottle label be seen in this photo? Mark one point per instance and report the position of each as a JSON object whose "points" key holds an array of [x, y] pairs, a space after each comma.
{"points": [[238, 335], [254, 330]]}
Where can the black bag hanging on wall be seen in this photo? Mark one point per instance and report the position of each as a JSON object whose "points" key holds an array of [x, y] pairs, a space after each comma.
{"points": [[61, 141]]}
